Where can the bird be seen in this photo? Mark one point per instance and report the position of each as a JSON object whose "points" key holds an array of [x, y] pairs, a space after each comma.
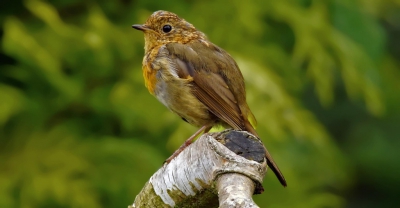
{"points": [[195, 79]]}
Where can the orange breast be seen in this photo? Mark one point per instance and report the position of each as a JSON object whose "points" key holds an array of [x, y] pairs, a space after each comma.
{"points": [[149, 73], [149, 78]]}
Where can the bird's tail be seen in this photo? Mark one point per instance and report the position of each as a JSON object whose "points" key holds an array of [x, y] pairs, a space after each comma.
{"points": [[270, 161]]}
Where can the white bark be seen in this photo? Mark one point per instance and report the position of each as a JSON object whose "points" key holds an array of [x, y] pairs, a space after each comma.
{"points": [[200, 174], [235, 190]]}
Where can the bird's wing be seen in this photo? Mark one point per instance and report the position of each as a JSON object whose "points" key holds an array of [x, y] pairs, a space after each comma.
{"points": [[205, 66], [217, 82]]}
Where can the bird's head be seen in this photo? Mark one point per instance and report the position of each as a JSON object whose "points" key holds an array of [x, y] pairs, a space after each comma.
{"points": [[164, 27]]}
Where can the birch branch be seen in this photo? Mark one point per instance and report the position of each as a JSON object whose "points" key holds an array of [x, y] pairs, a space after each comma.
{"points": [[211, 172]]}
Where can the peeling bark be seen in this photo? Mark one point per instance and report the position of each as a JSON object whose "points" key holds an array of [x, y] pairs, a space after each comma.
{"points": [[208, 174]]}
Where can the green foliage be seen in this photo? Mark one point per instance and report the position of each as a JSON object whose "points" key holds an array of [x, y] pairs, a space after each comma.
{"points": [[79, 129]]}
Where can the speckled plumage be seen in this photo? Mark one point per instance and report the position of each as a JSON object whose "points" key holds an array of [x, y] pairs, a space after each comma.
{"points": [[194, 78]]}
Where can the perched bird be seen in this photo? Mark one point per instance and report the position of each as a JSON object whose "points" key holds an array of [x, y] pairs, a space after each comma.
{"points": [[195, 78]]}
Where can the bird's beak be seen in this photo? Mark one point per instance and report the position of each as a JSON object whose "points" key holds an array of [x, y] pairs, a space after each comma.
{"points": [[140, 27]]}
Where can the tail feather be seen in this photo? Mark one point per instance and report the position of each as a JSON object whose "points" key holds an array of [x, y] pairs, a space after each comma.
{"points": [[270, 161]]}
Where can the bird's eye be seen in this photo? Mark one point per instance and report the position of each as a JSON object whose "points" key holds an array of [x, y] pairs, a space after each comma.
{"points": [[167, 28]]}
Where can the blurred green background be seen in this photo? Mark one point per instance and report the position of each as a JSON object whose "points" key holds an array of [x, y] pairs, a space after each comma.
{"points": [[79, 129]]}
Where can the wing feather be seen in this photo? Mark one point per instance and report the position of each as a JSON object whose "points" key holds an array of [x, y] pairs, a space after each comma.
{"points": [[209, 85]]}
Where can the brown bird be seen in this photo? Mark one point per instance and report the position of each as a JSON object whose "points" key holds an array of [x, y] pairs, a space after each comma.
{"points": [[195, 78]]}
